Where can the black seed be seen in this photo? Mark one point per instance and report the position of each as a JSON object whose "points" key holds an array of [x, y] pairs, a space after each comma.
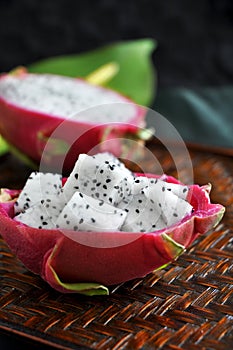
{"points": [[110, 199], [81, 221], [44, 223], [76, 187], [174, 214], [40, 227], [169, 189], [93, 189], [42, 218], [163, 188], [101, 203], [137, 181], [98, 184], [154, 226], [105, 194], [151, 209], [185, 190], [87, 206], [48, 200], [127, 210], [105, 187], [106, 162], [137, 211], [76, 176], [152, 201], [94, 181], [75, 228], [68, 222], [47, 206], [101, 171], [97, 195], [111, 167], [116, 187], [54, 207], [81, 195], [42, 201], [55, 186], [85, 184], [93, 220], [139, 201], [28, 199], [160, 205], [65, 216], [108, 180], [74, 205]]}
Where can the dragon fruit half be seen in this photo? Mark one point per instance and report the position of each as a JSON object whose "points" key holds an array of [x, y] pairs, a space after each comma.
{"points": [[64, 117], [103, 224]]}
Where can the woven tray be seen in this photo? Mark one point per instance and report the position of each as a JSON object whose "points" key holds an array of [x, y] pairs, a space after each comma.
{"points": [[186, 306]]}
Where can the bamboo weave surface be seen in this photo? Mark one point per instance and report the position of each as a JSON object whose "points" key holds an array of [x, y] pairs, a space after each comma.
{"points": [[188, 305]]}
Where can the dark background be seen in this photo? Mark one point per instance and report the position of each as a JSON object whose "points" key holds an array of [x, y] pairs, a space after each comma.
{"points": [[195, 38]]}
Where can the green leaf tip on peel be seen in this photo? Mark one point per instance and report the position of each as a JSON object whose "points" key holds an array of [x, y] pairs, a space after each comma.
{"points": [[174, 249], [4, 148], [103, 74], [17, 71], [22, 157], [219, 217], [136, 77], [90, 289], [145, 134], [54, 146]]}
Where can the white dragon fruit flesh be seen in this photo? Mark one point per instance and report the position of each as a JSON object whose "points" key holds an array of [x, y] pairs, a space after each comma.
{"points": [[101, 194], [101, 176], [84, 213]]}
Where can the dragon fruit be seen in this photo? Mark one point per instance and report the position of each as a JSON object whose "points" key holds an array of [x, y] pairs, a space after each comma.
{"points": [[91, 242], [60, 117]]}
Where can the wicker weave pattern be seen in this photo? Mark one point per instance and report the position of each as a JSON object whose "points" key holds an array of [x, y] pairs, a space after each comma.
{"points": [[188, 305]]}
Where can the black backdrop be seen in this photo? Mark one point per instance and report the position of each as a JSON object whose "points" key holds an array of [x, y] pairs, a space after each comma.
{"points": [[195, 38]]}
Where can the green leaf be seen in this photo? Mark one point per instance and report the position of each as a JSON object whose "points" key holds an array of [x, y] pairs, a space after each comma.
{"points": [[3, 146], [136, 75]]}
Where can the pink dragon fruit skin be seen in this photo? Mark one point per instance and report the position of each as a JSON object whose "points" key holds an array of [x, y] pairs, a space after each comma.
{"points": [[63, 262], [29, 130]]}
